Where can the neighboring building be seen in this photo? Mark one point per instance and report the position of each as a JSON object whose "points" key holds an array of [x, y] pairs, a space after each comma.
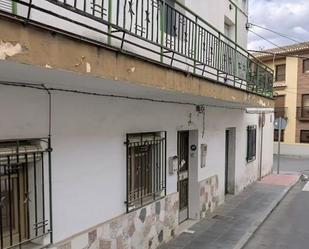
{"points": [[291, 89], [122, 119]]}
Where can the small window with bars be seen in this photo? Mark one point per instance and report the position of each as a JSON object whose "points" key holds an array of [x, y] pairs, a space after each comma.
{"points": [[146, 168], [251, 143], [23, 199], [306, 66], [280, 72], [304, 136]]}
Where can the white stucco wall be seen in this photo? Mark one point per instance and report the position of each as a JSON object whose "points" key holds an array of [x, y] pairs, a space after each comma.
{"points": [[89, 157]]}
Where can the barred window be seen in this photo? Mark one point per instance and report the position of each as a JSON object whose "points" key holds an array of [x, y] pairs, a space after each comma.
{"points": [[146, 168], [251, 143], [22, 196], [170, 17], [304, 136]]}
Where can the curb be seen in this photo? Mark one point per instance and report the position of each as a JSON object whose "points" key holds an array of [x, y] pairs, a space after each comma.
{"points": [[245, 238]]}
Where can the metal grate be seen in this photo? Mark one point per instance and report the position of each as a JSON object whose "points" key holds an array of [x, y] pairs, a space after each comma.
{"points": [[146, 168], [251, 143], [23, 199], [276, 135], [304, 136]]}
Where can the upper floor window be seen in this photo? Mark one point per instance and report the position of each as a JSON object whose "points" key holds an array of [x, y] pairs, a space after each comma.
{"points": [[280, 72], [227, 30], [170, 18], [251, 143], [306, 66], [304, 136], [146, 168]]}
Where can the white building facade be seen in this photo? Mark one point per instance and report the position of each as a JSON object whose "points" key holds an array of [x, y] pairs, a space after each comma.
{"points": [[106, 162]]}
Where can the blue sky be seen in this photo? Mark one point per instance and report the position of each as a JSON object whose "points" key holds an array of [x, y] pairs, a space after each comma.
{"points": [[290, 17]]}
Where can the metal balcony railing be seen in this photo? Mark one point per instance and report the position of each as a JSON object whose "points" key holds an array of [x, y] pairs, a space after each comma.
{"points": [[172, 35], [303, 113]]}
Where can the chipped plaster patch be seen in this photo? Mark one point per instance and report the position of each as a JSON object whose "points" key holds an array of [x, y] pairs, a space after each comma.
{"points": [[8, 49], [262, 103]]}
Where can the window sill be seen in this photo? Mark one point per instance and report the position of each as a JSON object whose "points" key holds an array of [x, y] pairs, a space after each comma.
{"points": [[303, 119]]}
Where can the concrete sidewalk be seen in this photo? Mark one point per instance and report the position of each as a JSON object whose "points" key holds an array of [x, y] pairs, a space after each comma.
{"points": [[233, 223]]}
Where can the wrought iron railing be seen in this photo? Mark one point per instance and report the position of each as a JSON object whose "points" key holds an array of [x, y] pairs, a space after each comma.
{"points": [[303, 112], [24, 193], [154, 29]]}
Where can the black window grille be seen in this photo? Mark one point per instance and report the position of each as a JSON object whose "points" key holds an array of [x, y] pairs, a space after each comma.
{"points": [[146, 168], [24, 205], [251, 143], [304, 136]]}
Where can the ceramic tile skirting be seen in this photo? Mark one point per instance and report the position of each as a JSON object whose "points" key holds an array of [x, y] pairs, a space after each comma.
{"points": [[145, 228], [209, 195]]}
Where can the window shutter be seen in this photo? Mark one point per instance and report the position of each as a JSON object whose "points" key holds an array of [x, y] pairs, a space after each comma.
{"points": [[280, 72]]}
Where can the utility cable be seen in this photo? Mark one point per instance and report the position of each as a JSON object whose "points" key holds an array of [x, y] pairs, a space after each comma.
{"points": [[277, 46], [54, 89], [277, 33]]}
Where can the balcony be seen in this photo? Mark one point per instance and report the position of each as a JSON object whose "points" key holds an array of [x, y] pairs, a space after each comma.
{"points": [[280, 112], [172, 36], [303, 113]]}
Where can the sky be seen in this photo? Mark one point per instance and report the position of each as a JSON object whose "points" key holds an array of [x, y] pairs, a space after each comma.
{"points": [[290, 17]]}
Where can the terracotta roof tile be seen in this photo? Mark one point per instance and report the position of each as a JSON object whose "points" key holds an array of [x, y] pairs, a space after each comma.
{"points": [[290, 49]]}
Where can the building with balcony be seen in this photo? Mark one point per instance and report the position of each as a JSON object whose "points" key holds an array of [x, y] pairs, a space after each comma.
{"points": [[122, 119], [291, 89]]}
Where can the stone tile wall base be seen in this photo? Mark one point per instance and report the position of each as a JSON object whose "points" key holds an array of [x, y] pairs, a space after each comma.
{"points": [[145, 228], [209, 195]]}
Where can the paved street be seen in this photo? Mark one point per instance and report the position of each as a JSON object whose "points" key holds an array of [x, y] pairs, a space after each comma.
{"points": [[292, 164], [288, 226], [235, 221]]}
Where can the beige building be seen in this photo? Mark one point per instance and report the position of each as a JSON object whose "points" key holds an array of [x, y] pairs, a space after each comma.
{"points": [[291, 89]]}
